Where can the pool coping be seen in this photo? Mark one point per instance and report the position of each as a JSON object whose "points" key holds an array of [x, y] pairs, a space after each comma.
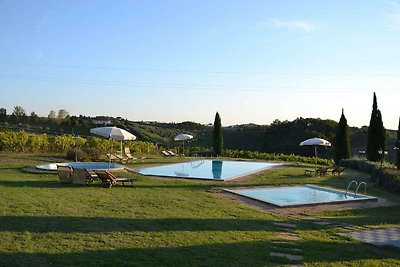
{"points": [[209, 179], [365, 198]]}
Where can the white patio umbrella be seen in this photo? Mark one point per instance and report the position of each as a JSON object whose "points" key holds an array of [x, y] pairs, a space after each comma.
{"points": [[113, 133], [315, 142], [183, 137]]}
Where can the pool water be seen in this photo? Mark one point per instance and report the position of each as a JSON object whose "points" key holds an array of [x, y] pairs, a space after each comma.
{"points": [[81, 165], [217, 170], [299, 195]]}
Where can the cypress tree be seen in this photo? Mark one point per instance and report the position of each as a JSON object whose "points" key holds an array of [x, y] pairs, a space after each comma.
{"points": [[398, 146], [342, 143], [218, 138], [376, 134]]}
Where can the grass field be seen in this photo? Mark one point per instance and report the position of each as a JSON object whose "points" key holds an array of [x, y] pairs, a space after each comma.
{"points": [[171, 222]]}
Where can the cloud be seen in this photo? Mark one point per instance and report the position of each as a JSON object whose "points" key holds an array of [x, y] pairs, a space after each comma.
{"points": [[295, 25]]}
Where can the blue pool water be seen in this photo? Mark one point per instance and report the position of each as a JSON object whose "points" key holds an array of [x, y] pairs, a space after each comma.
{"points": [[219, 170], [299, 195], [81, 165]]}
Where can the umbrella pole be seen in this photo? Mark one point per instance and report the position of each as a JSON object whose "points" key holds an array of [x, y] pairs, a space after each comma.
{"points": [[109, 162], [121, 148]]}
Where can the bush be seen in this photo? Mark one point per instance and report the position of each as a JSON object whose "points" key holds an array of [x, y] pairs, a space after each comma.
{"points": [[361, 165], [387, 178], [276, 157], [78, 153], [93, 154]]}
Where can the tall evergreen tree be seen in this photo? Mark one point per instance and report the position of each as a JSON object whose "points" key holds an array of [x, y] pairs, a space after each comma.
{"points": [[376, 134], [218, 137], [398, 146], [342, 143]]}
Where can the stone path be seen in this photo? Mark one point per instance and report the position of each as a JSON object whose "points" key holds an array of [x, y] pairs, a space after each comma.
{"points": [[285, 246]]}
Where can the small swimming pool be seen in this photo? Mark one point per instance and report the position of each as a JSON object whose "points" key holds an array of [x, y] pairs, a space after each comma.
{"points": [[300, 195], [216, 170], [81, 165]]}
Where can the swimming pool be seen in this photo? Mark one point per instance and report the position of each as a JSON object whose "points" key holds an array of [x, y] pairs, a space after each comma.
{"points": [[296, 196], [81, 165], [216, 170]]}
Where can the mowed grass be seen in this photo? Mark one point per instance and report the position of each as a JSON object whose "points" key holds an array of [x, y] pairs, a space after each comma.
{"points": [[166, 222]]}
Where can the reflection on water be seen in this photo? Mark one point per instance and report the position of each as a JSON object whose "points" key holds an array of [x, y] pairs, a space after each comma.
{"points": [[217, 169]]}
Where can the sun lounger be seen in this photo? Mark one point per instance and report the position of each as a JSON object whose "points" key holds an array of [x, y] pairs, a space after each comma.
{"points": [[108, 179], [165, 153], [172, 153], [65, 174], [83, 176], [111, 156], [320, 171], [129, 155], [121, 158], [337, 170]]}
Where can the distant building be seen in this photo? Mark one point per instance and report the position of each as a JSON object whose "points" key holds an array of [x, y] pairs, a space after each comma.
{"points": [[102, 120]]}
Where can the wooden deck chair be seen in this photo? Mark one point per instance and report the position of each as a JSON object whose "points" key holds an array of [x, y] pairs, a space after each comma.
{"points": [[172, 153], [127, 152], [111, 156], [337, 170], [123, 159], [321, 171], [165, 153], [108, 179], [65, 174], [83, 176]]}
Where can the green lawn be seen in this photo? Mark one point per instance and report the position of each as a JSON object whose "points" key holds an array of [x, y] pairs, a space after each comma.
{"points": [[168, 222]]}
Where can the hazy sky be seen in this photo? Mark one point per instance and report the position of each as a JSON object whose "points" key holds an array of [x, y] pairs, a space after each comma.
{"points": [[252, 61]]}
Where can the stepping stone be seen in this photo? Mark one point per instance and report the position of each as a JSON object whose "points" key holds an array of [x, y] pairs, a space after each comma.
{"points": [[287, 256], [283, 243], [286, 225], [288, 249], [288, 237], [322, 223], [285, 230]]}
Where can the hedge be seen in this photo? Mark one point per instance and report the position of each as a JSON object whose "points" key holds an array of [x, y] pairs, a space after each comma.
{"points": [[275, 157], [388, 178]]}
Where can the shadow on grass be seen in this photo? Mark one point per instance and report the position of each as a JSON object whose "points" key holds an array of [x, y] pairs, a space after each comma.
{"points": [[38, 184], [66, 224], [223, 254], [57, 184], [371, 216], [254, 253]]}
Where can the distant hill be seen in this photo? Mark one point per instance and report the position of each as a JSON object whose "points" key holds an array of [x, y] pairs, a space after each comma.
{"points": [[285, 137], [278, 137]]}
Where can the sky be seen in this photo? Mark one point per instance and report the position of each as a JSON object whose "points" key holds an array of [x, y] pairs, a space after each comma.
{"points": [[252, 61]]}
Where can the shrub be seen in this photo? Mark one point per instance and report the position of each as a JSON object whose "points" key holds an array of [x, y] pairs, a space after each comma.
{"points": [[387, 178], [78, 153], [93, 154], [276, 157]]}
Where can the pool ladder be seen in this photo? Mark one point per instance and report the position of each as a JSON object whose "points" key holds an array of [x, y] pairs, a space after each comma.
{"points": [[357, 187]]}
